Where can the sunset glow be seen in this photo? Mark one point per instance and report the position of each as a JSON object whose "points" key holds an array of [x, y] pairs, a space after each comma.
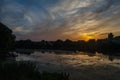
{"points": [[61, 19]]}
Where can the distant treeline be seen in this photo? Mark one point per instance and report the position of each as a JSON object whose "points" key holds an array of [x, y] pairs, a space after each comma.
{"points": [[110, 44]]}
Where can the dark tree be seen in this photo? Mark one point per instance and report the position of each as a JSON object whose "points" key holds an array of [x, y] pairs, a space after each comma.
{"points": [[7, 39], [110, 36]]}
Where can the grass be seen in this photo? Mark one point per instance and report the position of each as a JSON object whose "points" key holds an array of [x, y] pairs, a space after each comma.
{"points": [[27, 71]]}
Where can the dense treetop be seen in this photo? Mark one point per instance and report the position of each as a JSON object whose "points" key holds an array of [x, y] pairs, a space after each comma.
{"points": [[7, 38]]}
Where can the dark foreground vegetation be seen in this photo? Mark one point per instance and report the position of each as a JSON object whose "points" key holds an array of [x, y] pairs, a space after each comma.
{"points": [[107, 45], [27, 71]]}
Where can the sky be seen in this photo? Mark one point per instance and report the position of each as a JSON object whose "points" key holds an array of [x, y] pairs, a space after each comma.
{"points": [[61, 19]]}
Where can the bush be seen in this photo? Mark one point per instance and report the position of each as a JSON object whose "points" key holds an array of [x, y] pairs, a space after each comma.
{"points": [[27, 71]]}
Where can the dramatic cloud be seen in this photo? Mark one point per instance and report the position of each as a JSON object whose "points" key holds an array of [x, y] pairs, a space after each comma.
{"points": [[61, 19]]}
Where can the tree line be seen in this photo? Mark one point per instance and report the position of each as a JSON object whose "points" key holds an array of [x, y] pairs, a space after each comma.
{"points": [[110, 44]]}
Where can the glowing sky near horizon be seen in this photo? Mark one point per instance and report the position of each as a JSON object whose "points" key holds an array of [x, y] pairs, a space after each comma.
{"points": [[61, 19]]}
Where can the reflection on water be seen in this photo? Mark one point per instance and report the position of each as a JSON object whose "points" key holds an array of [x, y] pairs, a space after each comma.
{"points": [[66, 59], [80, 65]]}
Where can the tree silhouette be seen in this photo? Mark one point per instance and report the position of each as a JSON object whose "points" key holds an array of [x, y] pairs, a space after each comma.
{"points": [[110, 35], [7, 39], [106, 46]]}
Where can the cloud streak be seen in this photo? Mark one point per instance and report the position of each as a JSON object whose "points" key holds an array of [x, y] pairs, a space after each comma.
{"points": [[60, 19]]}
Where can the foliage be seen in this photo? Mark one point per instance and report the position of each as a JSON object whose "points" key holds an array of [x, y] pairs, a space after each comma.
{"points": [[7, 39], [26, 71]]}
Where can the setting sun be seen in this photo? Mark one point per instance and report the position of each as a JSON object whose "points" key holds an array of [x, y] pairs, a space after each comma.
{"points": [[89, 37]]}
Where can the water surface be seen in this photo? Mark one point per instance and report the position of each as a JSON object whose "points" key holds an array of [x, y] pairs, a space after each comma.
{"points": [[82, 65]]}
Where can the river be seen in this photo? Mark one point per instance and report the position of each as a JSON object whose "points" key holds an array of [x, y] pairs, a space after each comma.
{"points": [[80, 65]]}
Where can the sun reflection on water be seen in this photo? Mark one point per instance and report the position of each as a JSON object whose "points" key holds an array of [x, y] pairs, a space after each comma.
{"points": [[71, 59]]}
